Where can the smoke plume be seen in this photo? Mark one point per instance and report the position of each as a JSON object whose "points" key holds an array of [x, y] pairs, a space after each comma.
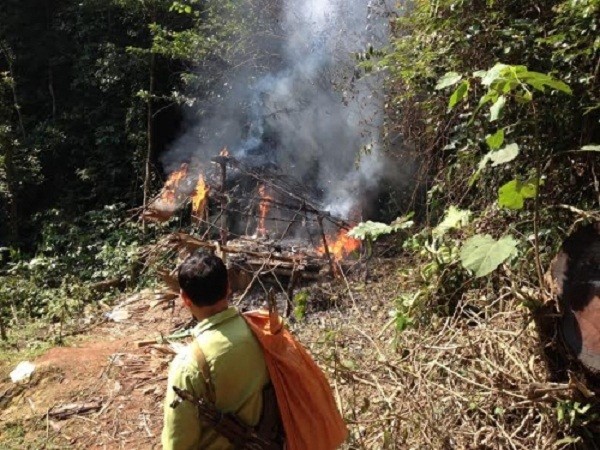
{"points": [[311, 114]]}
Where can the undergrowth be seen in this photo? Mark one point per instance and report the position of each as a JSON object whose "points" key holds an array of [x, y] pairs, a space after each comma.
{"points": [[79, 265]]}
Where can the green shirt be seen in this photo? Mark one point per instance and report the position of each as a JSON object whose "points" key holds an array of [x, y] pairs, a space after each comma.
{"points": [[238, 373]]}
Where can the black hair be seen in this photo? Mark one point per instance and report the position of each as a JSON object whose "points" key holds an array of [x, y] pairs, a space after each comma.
{"points": [[203, 277]]}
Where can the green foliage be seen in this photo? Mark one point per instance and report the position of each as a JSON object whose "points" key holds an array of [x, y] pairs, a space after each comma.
{"points": [[301, 304], [449, 79], [574, 413], [406, 306], [496, 108], [495, 141], [58, 282], [499, 157], [459, 94], [370, 230], [454, 218], [482, 254], [487, 144], [513, 194]]}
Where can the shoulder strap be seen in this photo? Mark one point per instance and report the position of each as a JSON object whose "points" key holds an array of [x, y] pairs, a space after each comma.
{"points": [[204, 369]]}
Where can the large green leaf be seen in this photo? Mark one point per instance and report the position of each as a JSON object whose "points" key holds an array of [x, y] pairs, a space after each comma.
{"points": [[492, 75], [373, 230], [499, 157], [370, 229], [403, 222], [512, 195], [540, 80], [447, 80], [483, 254], [505, 155], [454, 218]]}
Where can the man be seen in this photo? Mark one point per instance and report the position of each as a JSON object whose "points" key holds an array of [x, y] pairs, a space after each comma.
{"points": [[238, 372]]}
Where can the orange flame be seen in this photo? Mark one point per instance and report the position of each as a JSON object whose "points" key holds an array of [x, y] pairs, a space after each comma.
{"points": [[170, 191], [200, 197], [263, 209], [341, 247]]}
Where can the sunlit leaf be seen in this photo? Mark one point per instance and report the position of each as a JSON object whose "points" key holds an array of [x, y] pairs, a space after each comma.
{"points": [[497, 108], [447, 80], [458, 94], [482, 254], [499, 157], [454, 218], [513, 194], [495, 141], [590, 148], [403, 222], [505, 155], [540, 80], [373, 230], [370, 229], [493, 74]]}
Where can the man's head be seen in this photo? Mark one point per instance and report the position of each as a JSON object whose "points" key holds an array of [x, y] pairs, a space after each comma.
{"points": [[203, 279]]}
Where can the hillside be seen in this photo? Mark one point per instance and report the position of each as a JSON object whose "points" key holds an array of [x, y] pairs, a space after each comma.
{"points": [[467, 380]]}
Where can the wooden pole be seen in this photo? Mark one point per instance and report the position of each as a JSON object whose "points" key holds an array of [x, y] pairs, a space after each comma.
{"points": [[222, 190], [325, 246]]}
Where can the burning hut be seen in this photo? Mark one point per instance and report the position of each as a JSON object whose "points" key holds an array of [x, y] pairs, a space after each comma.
{"points": [[285, 198], [261, 221]]}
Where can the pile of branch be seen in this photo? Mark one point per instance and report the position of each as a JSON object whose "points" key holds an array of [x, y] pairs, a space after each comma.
{"points": [[255, 258]]}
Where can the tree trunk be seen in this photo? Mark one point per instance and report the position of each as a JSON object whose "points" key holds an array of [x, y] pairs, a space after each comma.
{"points": [[50, 72], [13, 85], [9, 152], [150, 135], [13, 210]]}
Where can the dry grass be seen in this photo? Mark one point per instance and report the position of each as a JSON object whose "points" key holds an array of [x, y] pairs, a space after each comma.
{"points": [[466, 381]]}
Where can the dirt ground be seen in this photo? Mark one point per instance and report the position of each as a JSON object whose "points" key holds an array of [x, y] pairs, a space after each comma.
{"points": [[104, 366]]}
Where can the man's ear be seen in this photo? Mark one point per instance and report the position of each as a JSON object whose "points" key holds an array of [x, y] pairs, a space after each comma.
{"points": [[187, 301]]}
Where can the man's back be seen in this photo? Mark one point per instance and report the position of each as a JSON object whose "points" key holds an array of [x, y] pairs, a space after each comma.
{"points": [[238, 375]]}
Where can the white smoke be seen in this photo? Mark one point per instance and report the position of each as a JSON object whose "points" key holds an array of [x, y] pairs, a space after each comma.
{"points": [[313, 114]]}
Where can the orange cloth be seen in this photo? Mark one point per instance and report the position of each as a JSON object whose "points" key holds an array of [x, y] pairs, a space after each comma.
{"points": [[310, 416]]}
